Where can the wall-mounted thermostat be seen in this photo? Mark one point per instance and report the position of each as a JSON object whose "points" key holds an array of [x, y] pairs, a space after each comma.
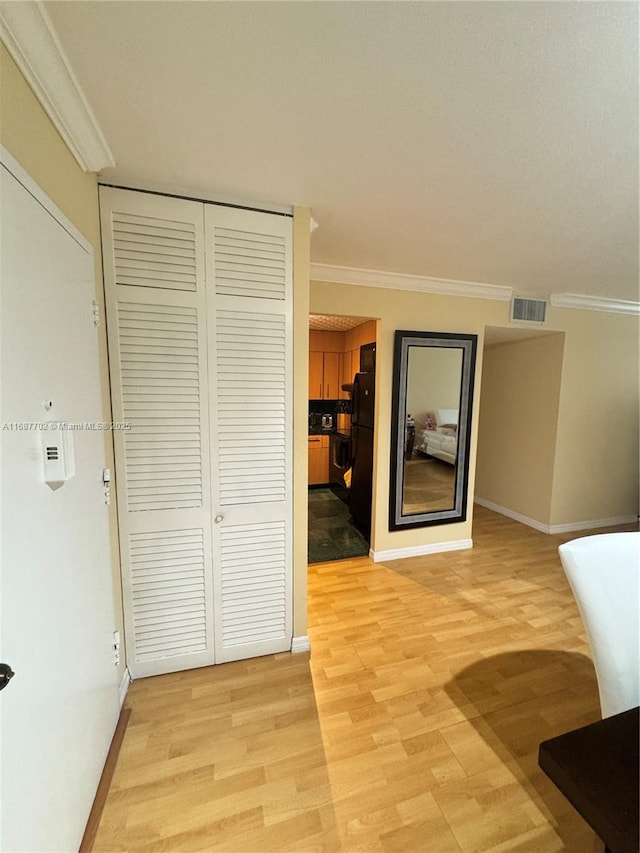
{"points": [[57, 454]]}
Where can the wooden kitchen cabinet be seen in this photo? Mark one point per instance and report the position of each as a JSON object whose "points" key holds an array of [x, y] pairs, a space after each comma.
{"points": [[324, 376], [316, 375], [331, 375], [346, 374], [334, 359], [318, 459], [354, 339]]}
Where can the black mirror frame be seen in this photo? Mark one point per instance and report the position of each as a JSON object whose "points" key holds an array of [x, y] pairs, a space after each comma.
{"points": [[458, 513]]}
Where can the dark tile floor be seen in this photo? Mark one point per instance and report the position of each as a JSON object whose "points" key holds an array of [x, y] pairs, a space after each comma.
{"points": [[332, 533]]}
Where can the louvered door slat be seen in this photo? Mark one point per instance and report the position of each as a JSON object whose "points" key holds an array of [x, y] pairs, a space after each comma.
{"points": [[249, 275], [248, 264], [154, 276], [166, 579], [243, 575], [154, 252], [233, 421]]}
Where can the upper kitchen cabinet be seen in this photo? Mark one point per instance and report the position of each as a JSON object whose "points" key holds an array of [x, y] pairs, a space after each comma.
{"points": [[346, 374], [360, 335], [325, 362], [316, 375]]}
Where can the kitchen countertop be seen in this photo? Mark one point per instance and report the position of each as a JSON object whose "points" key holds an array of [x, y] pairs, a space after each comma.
{"points": [[318, 430]]}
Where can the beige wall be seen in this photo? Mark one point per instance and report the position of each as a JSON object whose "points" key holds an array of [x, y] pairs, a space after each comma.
{"points": [[27, 133], [595, 472], [419, 312], [519, 400]]}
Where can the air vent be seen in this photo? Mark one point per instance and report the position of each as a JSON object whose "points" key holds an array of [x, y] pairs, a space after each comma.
{"points": [[528, 310]]}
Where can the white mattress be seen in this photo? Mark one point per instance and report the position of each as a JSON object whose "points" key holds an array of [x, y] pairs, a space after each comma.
{"points": [[431, 441]]}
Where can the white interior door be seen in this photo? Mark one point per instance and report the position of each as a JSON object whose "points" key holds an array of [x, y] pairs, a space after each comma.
{"points": [[201, 366], [249, 299], [58, 714], [154, 277]]}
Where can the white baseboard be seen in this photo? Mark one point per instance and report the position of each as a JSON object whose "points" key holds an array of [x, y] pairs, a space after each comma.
{"points": [[124, 685], [592, 525], [300, 644], [555, 528], [516, 516], [420, 550]]}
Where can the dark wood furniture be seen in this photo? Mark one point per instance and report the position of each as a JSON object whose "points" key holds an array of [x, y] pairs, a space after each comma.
{"points": [[597, 769]]}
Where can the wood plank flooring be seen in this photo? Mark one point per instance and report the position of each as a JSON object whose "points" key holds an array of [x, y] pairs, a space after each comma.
{"points": [[413, 725]]}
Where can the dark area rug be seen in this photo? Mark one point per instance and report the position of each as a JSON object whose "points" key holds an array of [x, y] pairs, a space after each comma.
{"points": [[332, 533]]}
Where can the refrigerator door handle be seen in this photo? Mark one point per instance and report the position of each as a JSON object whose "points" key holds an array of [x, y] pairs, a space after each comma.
{"points": [[354, 448], [355, 400]]}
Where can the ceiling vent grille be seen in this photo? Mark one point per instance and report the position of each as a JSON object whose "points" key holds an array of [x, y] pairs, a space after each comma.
{"points": [[528, 310]]}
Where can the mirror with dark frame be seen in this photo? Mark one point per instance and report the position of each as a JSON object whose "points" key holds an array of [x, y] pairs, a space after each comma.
{"points": [[433, 375]]}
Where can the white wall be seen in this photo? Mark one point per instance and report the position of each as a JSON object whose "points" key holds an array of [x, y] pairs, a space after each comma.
{"points": [[59, 712]]}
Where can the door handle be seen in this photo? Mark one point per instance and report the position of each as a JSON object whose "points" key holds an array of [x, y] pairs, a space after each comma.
{"points": [[218, 519], [6, 674]]}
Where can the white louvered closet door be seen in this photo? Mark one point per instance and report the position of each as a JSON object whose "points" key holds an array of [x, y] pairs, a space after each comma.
{"points": [[250, 304], [156, 311]]}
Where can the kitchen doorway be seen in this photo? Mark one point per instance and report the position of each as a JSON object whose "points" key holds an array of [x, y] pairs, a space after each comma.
{"points": [[341, 429]]}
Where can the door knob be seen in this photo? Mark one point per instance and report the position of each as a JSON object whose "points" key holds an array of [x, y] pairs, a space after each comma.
{"points": [[6, 674], [218, 519]]}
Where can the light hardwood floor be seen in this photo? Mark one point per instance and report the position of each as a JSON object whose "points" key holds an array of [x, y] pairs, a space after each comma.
{"points": [[413, 724]]}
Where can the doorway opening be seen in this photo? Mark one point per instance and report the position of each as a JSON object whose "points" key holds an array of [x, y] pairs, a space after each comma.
{"points": [[519, 403], [341, 430]]}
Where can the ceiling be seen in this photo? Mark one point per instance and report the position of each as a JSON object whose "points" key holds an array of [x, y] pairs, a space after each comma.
{"points": [[332, 323], [492, 142]]}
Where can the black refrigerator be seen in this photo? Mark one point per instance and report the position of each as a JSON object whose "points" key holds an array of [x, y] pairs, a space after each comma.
{"points": [[363, 397]]}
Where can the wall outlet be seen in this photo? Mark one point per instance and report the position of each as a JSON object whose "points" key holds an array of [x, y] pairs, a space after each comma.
{"points": [[116, 647]]}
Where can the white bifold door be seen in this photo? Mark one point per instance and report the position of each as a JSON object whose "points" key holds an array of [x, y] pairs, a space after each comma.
{"points": [[199, 312]]}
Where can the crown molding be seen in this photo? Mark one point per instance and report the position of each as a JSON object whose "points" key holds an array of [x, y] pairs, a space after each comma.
{"points": [[594, 303], [30, 37], [401, 281]]}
